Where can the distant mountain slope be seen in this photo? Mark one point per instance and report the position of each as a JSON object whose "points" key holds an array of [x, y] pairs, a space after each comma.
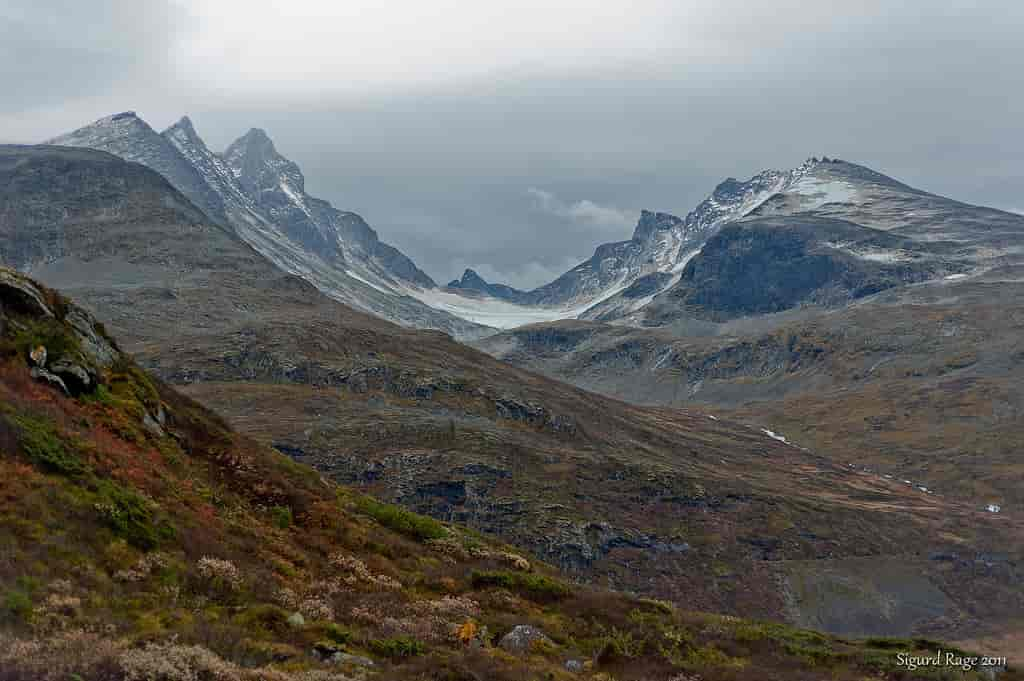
{"points": [[471, 281], [277, 187], [261, 195], [765, 265], [630, 281], [673, 503]]}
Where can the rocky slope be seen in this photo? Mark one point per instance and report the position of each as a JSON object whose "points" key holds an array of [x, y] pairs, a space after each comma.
{"points": [[765, 265], [622, 277], [815, 234], [261, 196], [673, 503], [145, 539]]}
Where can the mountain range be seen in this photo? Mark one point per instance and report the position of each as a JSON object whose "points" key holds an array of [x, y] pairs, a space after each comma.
{"points": [[674, 503], [799, 402], [862, 232], [261, 195]]}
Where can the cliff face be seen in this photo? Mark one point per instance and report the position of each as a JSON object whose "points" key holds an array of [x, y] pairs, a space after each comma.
{"points": [[766, 265]]}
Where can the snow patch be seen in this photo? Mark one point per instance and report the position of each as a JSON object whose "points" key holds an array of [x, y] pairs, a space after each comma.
{"points": [[367, 282], [775, 436], [502, 314], [816, 192]]}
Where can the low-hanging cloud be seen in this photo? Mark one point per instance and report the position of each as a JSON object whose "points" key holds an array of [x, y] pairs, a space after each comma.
{"points": [[607, 218]]}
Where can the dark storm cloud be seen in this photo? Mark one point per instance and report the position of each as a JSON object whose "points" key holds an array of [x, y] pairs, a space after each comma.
{"points": [[450, 158]]}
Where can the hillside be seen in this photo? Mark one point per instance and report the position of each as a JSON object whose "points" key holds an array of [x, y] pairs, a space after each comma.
{"points": [[144, 539], [711, 512]]}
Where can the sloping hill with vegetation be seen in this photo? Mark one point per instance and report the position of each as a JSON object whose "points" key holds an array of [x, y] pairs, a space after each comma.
{"points": [[672, 503], [144, 539]]}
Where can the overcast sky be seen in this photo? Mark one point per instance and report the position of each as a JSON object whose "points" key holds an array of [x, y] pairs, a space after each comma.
{"points": [[513, 136]]}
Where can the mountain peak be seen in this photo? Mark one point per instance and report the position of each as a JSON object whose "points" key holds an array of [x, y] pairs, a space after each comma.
{"points": [[651, 222], [184, 123], [471, 277], [256, 138], [131, 138], [109, 128], [184, 130]]}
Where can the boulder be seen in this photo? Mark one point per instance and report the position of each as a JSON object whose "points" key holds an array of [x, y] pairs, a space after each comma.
{"points": [[347, 658], [21, 295], [95, 346], [521, 638], [77, 378]]}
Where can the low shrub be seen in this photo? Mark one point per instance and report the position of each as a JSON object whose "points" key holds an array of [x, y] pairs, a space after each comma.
{"points": [[398, 647], [532, 586], [129, 516], [42, 444], [411, 524], [281, 516]]}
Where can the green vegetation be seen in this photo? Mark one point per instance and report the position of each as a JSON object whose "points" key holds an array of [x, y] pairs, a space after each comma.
{"points": [[533, 586], [59, 342], [17, 601], [419, 527], [398, 647], [130, 517], [40, 441], [282, 516]]}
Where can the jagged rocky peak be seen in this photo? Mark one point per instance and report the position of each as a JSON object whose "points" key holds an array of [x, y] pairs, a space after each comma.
{"points": [[129, 137], [184, 131], [650, 223], [471, 279], [258, 166]]}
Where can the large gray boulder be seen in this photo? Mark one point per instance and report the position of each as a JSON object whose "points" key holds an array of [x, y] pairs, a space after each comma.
{"points": [[521, 639]]}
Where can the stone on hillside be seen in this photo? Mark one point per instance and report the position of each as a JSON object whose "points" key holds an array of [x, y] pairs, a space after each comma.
{"points": [[521, 638], [296, 620], [347, 658], [94, 346], [22, 295]]}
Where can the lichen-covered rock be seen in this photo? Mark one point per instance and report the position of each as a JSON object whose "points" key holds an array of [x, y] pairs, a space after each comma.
{"points": [[521, 638]]}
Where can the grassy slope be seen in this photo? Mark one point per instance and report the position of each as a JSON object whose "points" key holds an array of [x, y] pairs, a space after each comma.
{"points": [[136, 552]]}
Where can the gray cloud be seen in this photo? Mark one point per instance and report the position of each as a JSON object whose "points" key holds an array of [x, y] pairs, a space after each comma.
{"points": [[585, 211], [647, 105]]}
